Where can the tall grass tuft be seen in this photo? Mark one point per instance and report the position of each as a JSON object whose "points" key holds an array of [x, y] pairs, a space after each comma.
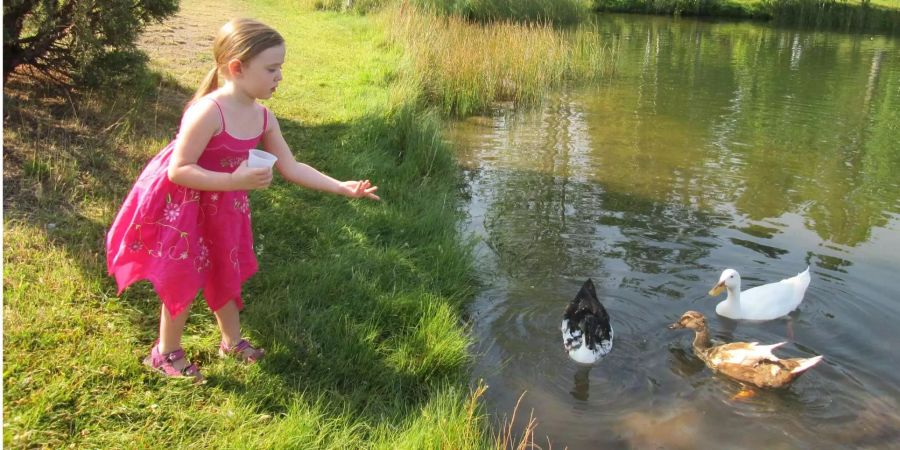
{"points": [[465, 68]]}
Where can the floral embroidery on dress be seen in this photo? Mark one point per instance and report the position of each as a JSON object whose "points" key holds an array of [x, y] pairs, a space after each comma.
{"points": [[171, 212], [201, 262], [209, 205], [231, 162], [180, 250], [173, 251], [135, 246], [242, 204]]}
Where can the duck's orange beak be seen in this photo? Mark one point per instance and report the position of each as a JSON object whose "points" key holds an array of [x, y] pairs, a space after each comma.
{"points": [[717, 289]]}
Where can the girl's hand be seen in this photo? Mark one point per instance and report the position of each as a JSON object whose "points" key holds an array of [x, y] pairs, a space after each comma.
{"points": [[247, 178], [358, 189]]}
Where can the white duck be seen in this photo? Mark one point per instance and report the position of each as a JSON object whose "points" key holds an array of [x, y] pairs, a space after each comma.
{"points": [[587, 335], [765, 302]]}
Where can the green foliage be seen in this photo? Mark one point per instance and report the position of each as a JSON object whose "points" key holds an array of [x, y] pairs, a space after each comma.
{"points": [[115, 68], [67, 39], [559, 12], [722, 8], [832, 14], [826, 14]]}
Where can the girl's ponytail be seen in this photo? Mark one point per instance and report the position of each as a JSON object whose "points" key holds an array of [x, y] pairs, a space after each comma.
{"points": [[209, 84]]}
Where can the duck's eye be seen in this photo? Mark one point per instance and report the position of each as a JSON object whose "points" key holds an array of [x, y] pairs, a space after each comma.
{"points": [[731, 276]]}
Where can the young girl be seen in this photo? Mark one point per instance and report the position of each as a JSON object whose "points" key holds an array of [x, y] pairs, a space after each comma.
{"points": [[185, 225]]}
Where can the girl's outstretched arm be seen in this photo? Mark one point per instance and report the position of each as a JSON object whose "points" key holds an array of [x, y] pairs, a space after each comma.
{"points": [[307, 176], [200, 122]]}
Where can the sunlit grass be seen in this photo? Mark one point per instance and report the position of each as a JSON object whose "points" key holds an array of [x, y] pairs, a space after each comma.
{"points": [[465, 67]]}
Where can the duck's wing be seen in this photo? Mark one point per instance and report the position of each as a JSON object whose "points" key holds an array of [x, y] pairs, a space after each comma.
{"points": [[747, 353], [774, 300], [766, 374]]}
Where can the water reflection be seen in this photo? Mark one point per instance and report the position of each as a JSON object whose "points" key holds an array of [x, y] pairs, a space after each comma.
{"points": [[582, 385], [717, 145], [771, 121]]}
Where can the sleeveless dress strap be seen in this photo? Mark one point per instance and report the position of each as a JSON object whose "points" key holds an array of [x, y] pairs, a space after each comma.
{"points": [[265, 119], [221, 114]]}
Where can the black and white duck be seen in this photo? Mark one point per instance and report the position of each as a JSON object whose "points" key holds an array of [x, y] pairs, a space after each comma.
{"points": [[587, 335]]}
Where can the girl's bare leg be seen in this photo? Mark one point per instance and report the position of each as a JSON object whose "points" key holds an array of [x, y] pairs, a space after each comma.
{"points": [[170, 331], [229, 323]]}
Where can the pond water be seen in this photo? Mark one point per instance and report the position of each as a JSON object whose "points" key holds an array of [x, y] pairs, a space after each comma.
{"points": [[715, 145]]}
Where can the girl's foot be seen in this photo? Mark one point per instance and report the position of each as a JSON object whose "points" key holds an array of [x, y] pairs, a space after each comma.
{"points": [[172, 364], [242, 351]]}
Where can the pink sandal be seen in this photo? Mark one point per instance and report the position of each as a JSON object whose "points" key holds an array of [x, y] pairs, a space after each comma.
{"points": [[243, 351], [163, 363]]}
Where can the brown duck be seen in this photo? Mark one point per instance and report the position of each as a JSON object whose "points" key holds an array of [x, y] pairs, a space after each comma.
{"points": [[748, 362]]}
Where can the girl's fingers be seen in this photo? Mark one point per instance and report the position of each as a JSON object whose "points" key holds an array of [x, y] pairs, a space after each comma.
{"points": [[364, 188]]}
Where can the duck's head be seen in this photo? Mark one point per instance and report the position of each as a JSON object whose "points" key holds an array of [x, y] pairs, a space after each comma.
{"points": [[729, 279], [690, 319]]}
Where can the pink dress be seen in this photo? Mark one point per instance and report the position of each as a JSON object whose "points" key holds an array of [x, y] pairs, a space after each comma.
{"points": [[183, 240]]}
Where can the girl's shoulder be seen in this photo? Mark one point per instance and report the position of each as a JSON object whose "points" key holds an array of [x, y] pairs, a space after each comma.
{"points": [[203, 112]]}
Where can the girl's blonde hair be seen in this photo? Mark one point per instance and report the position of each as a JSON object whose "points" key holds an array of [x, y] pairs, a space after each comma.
{"points": [[240, 39]]}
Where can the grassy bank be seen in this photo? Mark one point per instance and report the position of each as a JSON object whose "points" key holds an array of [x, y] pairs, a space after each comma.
{"points": [[357, 303], [464, 57], [853, 15]]}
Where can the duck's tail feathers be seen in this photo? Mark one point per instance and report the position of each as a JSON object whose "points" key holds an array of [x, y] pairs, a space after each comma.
{"points": [[801, 282], [766, 350], [806, 364], [587, 297]]}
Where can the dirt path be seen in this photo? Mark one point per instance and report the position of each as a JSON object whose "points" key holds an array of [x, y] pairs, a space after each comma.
{"points": [[182, 45]]}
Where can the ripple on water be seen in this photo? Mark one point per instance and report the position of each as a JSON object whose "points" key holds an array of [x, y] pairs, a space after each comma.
{"points": [[530, 344]]}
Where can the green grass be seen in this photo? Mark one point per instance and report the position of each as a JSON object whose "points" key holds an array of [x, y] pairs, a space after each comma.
{"points": [[358, 303]]}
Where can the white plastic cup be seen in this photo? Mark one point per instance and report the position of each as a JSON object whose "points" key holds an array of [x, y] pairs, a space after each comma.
{"points": [[261, 159]]}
